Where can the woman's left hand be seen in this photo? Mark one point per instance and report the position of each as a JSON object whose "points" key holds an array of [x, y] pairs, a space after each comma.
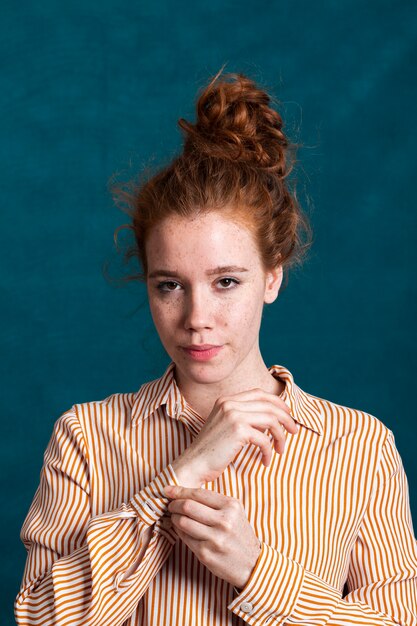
{"points": [[216, 529]]}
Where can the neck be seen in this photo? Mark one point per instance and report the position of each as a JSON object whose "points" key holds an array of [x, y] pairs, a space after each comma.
{"points": [[202, 396]]}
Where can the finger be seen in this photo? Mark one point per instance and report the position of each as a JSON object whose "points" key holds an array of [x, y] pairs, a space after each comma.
{"points": [[278, 442], [258, 394], [267, 408], [191, 528], [212, 499], [264, 444], [274, 425], [194, 510], [279, 438], [193, 544]]}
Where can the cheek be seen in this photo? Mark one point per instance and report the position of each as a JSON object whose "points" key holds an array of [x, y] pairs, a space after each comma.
{"points": [[241, 313], [157, 311], [164, 313]]}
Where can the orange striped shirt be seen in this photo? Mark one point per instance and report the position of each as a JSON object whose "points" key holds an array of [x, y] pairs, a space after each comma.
{"points": [[332, 514]]}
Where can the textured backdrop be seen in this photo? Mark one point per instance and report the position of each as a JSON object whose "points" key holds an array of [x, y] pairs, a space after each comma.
{"points": [[91, 88]]}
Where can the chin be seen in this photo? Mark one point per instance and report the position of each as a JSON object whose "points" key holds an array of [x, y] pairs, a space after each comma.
{"points": [[212, 371]]}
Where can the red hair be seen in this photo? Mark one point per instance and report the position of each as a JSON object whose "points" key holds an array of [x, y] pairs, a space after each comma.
{"points": [[236, 160]]}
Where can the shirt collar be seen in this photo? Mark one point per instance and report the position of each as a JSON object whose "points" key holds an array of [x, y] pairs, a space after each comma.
{"points": [[304, 407]]}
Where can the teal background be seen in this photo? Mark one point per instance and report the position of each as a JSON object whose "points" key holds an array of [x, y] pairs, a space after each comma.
{"points": [[91, 88]]}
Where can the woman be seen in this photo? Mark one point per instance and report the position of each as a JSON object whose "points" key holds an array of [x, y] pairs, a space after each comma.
{"points": [[221, 492]]}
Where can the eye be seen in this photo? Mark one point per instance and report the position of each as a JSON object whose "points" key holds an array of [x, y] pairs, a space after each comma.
{"points": [[234, 280], [161, 286], [165, 285]]}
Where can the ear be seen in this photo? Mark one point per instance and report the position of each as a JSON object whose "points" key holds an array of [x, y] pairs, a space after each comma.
{"points": [[273, 280]]}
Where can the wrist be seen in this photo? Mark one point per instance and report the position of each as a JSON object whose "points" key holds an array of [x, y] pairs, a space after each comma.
{"points": [[254, 561], [187, 471]]}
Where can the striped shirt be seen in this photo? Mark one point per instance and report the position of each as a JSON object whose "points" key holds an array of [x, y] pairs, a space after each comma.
{"points": [[332, 514]]}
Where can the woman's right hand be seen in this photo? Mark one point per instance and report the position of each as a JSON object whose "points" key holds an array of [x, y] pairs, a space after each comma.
{"points": [[234, 422]]}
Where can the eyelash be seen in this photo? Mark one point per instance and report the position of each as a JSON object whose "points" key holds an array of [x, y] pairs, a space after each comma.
{"points": [[173, 282]]}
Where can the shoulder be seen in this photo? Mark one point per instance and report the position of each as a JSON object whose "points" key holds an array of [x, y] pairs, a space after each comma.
{"points": [[355, 440], [341, 420], [112, 411]]}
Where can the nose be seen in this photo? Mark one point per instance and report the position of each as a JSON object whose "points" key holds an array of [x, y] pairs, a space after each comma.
{"points": [[198, 310]]}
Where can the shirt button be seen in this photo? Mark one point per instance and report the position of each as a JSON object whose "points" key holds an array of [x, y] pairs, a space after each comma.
{"points": [[246, 607]]}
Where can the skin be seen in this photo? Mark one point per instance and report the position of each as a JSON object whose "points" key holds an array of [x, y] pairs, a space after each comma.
{"points": [[199, 309], [234, 391]]}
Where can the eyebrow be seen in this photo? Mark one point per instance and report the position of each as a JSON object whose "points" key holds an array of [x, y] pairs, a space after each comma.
{"points": [[216, 270]]}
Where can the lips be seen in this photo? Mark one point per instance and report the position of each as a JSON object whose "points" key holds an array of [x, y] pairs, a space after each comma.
{"points": [[202, 346], [203, 352]]}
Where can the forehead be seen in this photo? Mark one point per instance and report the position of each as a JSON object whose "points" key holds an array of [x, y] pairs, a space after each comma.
{"points": [[207, 239]]}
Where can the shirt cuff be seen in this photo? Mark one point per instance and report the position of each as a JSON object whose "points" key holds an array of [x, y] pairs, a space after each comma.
{"points": [[280, 588], [271, 591], [151, 503]]}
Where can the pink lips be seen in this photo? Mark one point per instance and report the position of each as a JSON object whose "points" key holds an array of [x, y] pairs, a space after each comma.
{"points": [[202, 354]]}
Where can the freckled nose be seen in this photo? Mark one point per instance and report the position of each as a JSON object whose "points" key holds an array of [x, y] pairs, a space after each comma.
{"points": [[197, 311]]}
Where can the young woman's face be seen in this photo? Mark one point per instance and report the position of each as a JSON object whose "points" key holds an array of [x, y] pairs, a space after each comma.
{"points": [[193, 301]]}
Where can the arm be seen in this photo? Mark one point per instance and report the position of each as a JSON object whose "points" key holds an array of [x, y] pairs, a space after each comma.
{"points": [[83, 570], [382, 575]]}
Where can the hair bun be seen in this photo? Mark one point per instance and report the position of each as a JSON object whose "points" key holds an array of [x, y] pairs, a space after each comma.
{"points": [[235, 122]]}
